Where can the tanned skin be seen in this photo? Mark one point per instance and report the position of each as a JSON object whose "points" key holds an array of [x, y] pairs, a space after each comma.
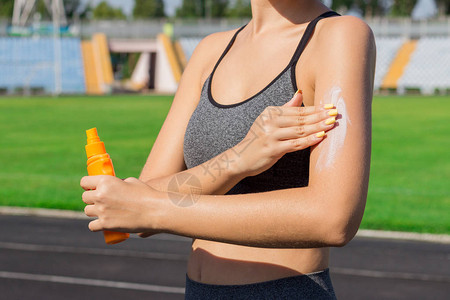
{"points": [[240, 239]]}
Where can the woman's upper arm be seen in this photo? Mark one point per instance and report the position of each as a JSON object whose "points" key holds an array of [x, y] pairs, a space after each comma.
{"points": [[339, 165], [166, 156]]}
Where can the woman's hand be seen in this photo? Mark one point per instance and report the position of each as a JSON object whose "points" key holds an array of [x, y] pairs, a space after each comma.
{"points": [[120, 205], [282, 129]]}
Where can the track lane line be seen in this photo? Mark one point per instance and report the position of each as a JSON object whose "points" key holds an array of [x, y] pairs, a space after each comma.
{"points": [[92, 282], [92, 251]]}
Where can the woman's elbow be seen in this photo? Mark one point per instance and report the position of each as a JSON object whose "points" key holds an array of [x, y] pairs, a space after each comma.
{"points": [[341, 235], [343, 227]]}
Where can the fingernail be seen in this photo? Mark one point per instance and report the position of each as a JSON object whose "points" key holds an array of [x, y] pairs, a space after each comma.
{"points": [[333, 112], [298, 92], [328, 106], [320, 134], [330, 121]]}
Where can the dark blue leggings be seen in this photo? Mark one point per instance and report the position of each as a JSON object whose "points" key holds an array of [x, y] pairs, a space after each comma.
{"points": [[309, 286]]}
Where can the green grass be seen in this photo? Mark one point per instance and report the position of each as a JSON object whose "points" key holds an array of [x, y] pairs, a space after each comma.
{"points": [[42, 153], [42, 142], [410, 170]]}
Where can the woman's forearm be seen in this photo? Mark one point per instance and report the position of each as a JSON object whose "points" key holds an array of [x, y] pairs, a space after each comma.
{"points": [[213, 177], [290, 218]]}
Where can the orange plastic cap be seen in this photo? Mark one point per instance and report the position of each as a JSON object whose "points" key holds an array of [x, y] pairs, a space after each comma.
{"points": [[94, 145], [92, 135]]}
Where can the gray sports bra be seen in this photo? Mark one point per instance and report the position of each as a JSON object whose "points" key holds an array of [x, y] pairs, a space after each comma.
{"points": [[214, 128]]}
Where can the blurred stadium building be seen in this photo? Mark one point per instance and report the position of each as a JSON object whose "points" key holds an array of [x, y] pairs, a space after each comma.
{"points": [[64, 56]]}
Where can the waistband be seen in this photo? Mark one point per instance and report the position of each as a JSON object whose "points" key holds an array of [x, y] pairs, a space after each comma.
{"points": [[315, 285]]}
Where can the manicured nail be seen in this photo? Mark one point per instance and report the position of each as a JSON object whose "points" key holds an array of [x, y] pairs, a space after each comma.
{"points": [[333, 112], [328, 106], [320, 134], [298, 92], [330, 121]]}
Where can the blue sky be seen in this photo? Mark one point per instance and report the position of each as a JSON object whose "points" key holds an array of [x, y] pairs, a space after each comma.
{"points": [[127, 5]]}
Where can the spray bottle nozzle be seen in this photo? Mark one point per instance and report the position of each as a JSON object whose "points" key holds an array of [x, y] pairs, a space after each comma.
{"points": [[94, 145], [92, 136]]}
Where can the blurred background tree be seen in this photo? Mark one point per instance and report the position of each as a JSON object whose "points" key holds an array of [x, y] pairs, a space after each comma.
{"points": [[188, 9], [103, 11], [6, 8], [367, 7], [444, 7], [402, 8], [215, 9], [202, 9], [240, 9], [73, 8], [145, 9]]}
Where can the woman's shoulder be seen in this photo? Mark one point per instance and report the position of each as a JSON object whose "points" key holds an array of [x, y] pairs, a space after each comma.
{"points": [[218, 39], [344, 23], [343, 38], [335, 30], [212, 46], [207, 53]]}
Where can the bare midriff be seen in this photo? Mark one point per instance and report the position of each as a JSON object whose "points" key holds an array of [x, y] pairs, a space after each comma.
{"points": [[228, 264]]}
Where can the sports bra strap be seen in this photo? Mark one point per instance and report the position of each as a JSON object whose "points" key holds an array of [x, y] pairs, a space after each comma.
{"points": [[228, 48], [301, 46], [307, 35]]}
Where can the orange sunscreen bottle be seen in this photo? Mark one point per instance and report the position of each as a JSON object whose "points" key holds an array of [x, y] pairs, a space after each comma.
{"points": [[99, 163]]}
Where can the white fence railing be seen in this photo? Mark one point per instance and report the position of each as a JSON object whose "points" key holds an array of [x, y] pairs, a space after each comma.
{"points": [[385, 27]]}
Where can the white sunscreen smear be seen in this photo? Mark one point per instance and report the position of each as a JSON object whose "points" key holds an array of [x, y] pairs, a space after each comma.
{"points": [[334, 141]]}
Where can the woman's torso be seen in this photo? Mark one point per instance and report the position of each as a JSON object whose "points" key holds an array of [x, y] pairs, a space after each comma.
{"points": [[228, 121]]}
